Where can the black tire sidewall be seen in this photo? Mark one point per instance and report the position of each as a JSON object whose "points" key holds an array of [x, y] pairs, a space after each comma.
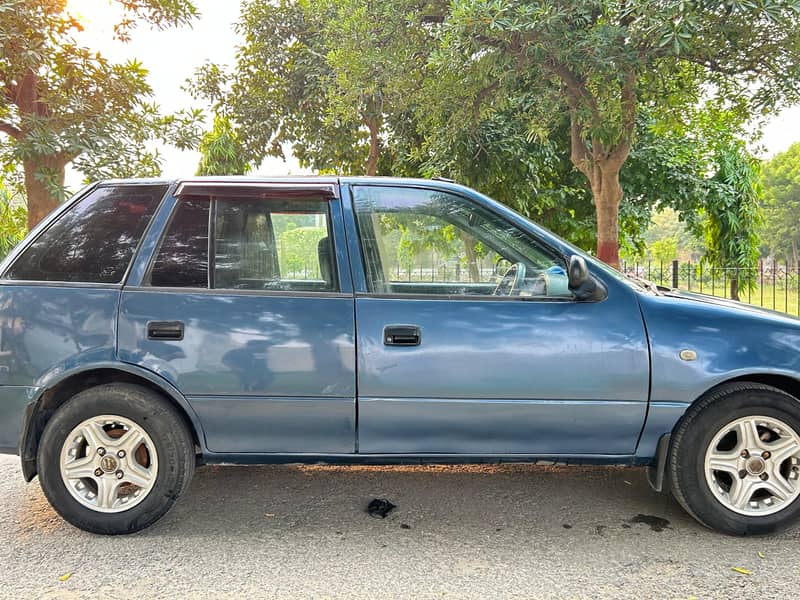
{"points": [[154, 415], [688, 459]]}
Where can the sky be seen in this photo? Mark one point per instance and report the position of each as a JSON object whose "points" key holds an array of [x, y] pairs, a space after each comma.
{"points": [[171, 57]]}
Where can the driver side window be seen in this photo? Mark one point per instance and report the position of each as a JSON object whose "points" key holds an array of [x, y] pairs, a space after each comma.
{"points": [[419, 241]]}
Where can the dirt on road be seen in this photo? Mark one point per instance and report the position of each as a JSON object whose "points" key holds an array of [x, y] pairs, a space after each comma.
{"points": [[509, 531]]}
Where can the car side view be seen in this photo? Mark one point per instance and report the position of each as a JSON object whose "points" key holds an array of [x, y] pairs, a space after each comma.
{"points": [[149, 326]]}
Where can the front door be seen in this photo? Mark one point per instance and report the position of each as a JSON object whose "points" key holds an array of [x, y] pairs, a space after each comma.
{"points": [[246, 310], [470, 342]]}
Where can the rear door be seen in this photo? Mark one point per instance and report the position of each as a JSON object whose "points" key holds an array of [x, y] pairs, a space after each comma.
{"points": [[246, 308]]}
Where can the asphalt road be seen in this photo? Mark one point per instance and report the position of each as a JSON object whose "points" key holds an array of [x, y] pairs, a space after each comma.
{"points": [[457, 532]]}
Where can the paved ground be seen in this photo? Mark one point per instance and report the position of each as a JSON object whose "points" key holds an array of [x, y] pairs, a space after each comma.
{"points": [[458, 532]]}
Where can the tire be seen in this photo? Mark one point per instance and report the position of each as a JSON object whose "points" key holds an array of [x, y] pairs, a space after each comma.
{"points": [[165, 458], [700, 438]]}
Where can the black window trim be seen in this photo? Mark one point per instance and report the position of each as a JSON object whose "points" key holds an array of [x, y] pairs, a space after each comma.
{"points": [[255, 189], [20, 249], [209, 289], [461, 297]]}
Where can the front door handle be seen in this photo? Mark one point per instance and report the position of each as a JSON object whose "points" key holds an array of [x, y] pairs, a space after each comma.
{"points": [[165, 330], [402, 335]]}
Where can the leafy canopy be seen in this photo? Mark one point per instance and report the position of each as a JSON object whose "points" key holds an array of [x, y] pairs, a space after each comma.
{"points": [[64, 103], [781, 182]]}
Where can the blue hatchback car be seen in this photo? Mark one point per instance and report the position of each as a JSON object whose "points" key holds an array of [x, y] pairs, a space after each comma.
{"points": [[148, 326]]}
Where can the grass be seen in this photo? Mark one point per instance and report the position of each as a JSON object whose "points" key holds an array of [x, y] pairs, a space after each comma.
{"points": [[768, 296]]}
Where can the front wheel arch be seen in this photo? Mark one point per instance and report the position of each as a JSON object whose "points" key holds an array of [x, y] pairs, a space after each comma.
{"points": [[686, 444]]}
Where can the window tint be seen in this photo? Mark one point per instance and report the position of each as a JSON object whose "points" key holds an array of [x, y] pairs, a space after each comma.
{"points": [[259, 244], [429, 242], [273, 244], [182, 260], [94, 241]]}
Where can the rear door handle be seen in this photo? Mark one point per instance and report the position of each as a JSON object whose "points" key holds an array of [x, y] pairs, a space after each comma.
{"points": [[402, 335], [165, 330]]}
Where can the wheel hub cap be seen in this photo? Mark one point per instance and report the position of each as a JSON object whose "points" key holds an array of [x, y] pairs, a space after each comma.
{"points": [[755, 466], [109, 463], [752, 465]]}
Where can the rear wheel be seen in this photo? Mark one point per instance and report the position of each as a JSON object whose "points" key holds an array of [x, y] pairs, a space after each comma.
{"points": [[735, 460], [114, 458]]}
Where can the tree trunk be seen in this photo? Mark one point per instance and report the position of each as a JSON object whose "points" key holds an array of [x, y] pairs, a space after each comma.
{"points": [[374, 147], [607, 193], [599, 162], [734, 288], [795, 254], [472, 258], [40, 201]]}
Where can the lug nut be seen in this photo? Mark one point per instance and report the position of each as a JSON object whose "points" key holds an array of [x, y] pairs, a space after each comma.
{"points": [[98, 472], [766, 454], [101, 451], [764, 477], [742, 474], [745, 454], [121, 453], [120, 474]]}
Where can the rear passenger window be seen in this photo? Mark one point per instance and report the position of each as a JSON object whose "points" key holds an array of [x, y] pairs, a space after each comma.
{"points": [[258, 244], [182, 260], [94, 241], [274, 244]]}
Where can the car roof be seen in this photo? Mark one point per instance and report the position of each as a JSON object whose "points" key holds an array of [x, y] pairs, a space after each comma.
{"points": [[323, 179]]}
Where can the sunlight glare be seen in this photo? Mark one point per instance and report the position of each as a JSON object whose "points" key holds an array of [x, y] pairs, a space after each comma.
{"points": [[98, 18]]}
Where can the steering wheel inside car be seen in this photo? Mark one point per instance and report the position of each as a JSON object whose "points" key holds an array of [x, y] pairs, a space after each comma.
{"points": [[510, 281]]}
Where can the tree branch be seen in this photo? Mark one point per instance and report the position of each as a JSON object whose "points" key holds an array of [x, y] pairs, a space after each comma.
{"points": [[10, 130], [579, 152], [577, 87], [628, 106]]}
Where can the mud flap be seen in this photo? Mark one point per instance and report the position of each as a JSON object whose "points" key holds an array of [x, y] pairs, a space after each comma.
{"points": [[655, 473]]}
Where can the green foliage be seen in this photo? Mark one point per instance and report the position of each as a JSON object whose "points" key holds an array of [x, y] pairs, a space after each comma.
{"points": [[523, 100], [327, 77], [781, 183], [665, 249], [297, 251], [603, 64], [222, 151], [13, 221], [732, 212], [63, 103]]}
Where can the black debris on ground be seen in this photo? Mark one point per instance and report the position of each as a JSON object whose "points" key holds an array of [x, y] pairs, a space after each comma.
{"points": [[655, 523], [379, 508]]}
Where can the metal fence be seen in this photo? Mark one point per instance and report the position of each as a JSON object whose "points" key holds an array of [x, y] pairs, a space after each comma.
{"points": [[774, 285]]}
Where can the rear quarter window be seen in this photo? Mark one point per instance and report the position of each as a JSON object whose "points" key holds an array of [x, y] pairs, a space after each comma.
{"points": [[94, 241]]}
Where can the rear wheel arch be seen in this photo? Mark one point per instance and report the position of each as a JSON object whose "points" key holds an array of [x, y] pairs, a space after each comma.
{"points": [[58, 392]]}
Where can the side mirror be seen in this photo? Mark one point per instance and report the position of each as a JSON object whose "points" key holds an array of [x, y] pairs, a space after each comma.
{"points": [[581, 282], [578, 271]]}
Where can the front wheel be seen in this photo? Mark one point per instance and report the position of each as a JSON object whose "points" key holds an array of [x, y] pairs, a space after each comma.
{"points": [[114, 458], [735, 460]]}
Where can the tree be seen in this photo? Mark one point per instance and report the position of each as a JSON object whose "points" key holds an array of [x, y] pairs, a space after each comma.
{"points": [[781, 182], [62, 103], [331, 78], [222, 151], [13, 220], [732, 215], [601, 61]]}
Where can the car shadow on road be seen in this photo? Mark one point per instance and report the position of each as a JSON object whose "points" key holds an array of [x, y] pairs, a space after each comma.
{"points": [[485, 498]]}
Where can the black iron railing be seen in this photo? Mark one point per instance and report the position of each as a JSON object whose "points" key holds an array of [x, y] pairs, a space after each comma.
{"points": [[769, 284]]}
